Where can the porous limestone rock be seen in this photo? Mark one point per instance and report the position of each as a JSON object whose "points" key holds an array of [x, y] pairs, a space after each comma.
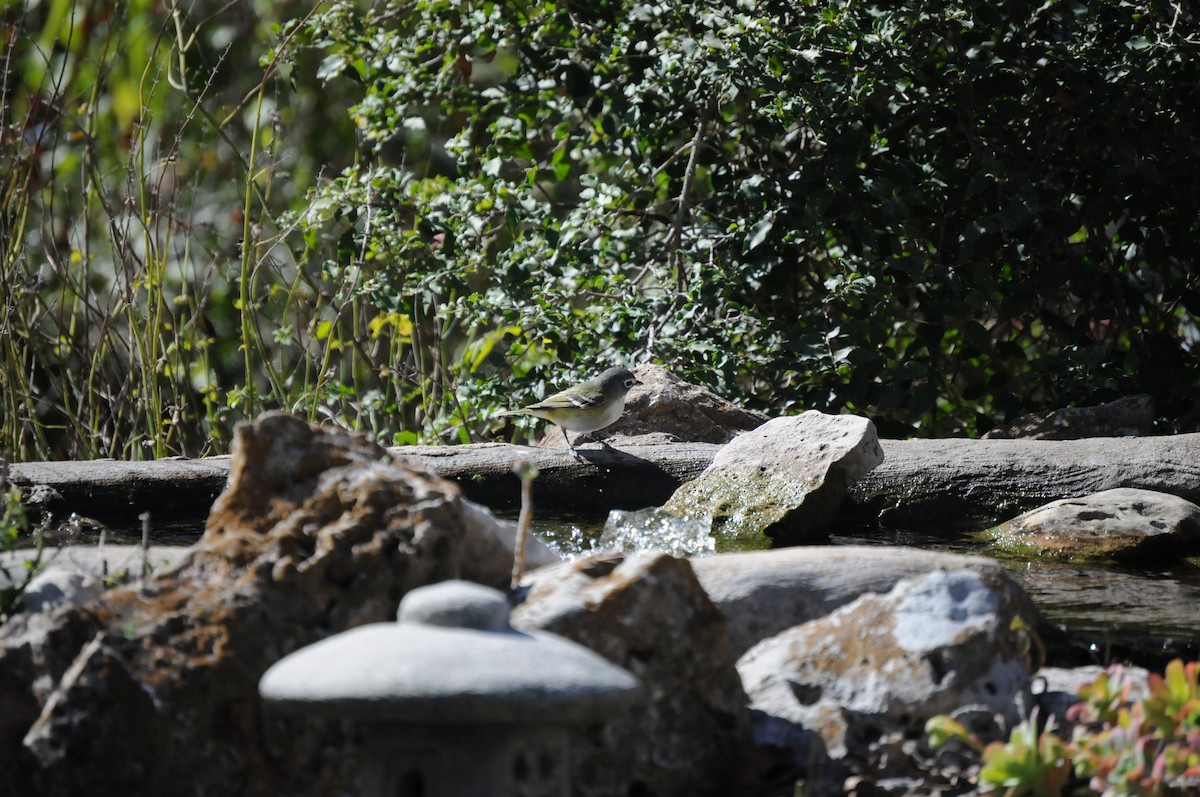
{"points": [[783, 481], [666, 407], [57, 587], [1125, 417], [154, 685], [762, 593], [648, 614], [856, 687], [1124, 523]]}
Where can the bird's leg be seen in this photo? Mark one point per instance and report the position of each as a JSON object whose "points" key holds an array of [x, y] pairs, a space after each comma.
{"points": [[567, 437]]}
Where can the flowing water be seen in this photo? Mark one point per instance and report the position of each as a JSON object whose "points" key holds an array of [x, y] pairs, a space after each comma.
{"points": [[1109, 611], [1106, 611]]}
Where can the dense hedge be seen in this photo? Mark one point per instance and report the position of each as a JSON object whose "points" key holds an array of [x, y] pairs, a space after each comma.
{"points": [[938, 214], [406, 216]]}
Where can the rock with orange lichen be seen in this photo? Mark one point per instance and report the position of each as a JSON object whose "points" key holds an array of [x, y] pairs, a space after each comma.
{"points": [[155, 684], [854, 689]]}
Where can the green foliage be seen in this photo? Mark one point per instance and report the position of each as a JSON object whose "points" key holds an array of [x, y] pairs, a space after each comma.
{"points": [[1122, 744], [1031, 762], [13, 525], [399, 214], [1151, 746], [1034, 762], [942, 729], [939, 214], [147, 300]]}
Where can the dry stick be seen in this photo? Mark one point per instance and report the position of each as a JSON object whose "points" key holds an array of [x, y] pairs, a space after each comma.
{"points": [[145, 518], [675, 234], [103, 560], [526, 471]]}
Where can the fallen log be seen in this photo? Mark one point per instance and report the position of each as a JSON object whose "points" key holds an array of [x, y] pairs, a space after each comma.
{"points": [[629, 477], [922, 484], [926, 484]]}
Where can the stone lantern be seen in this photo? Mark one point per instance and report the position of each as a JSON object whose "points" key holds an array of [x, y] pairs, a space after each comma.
{"points": [[452, 700]]}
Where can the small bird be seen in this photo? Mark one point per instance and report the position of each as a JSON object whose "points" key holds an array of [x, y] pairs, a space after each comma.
{"points": [[587, 407]]}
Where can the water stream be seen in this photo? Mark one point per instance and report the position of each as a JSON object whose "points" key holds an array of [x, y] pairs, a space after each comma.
{"points": [[1106, 611], [1109, 611]]}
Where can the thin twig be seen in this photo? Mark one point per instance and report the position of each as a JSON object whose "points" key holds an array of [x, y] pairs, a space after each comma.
{"points": [[675, 236], [526, 471], [145, 518]]}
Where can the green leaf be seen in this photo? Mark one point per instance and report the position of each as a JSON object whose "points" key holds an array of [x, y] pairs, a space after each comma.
{"points": [[760, 232]]}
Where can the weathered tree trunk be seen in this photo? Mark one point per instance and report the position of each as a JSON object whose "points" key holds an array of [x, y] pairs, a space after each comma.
{"points": [[928, 484]]}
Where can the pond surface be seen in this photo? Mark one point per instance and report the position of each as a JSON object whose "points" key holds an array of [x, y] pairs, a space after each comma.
{"points": [[1107, 612], [75, 530]]}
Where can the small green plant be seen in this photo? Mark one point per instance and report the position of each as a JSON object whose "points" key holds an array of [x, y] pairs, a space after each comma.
{"points": [[14, 523], [1031, 762], [1122, 745], [1147, 746]]}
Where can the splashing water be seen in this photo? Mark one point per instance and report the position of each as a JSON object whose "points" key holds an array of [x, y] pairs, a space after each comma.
{"points": [[656, 529]]}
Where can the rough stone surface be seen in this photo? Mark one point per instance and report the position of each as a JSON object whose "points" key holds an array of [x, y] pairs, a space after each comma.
{"points": [[155, 685], [946, 486], [492, 543], [1125, 417], [668, 408], [1120, 524], [939, 485], [56, 588], [762, 593], [649, 615], [851, 687], [783, 481], [116, 562]]}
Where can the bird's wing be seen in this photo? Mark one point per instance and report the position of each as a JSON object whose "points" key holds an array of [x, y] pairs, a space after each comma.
{"points": [[567, 399]]}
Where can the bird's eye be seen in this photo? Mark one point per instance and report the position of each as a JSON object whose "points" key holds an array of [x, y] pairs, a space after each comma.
{"points": [[630, 383]]}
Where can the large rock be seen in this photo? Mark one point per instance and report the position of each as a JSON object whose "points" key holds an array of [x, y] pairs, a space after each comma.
{"points": [[648, 614], [664, 406], [152, 689], [762, 593], [783, 481], [83, 563], [854, 687], [57, 587], [1129, 416], [1124, 524]]}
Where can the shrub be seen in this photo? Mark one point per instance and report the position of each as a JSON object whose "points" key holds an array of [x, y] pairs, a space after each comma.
{"points": [[13, 525], [139, 150], [940, 214], [1122, 743]]}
